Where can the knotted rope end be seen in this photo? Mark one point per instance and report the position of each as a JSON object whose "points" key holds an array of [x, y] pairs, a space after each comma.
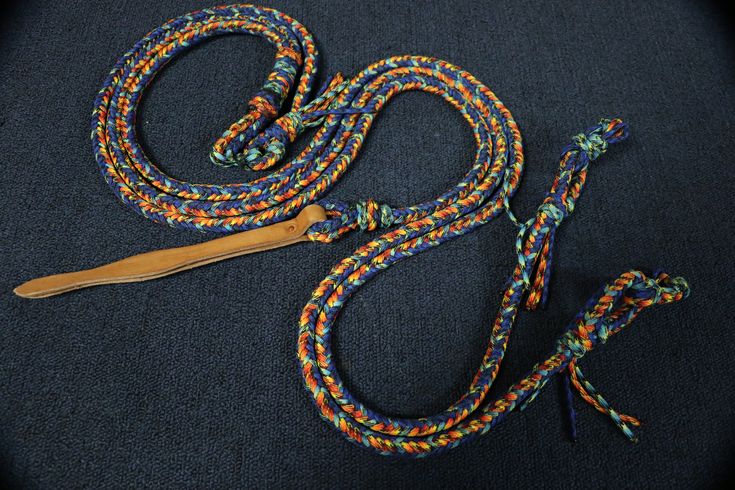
{"points": [[370, 215], [540, 230], [595, 141], [607, 314]]}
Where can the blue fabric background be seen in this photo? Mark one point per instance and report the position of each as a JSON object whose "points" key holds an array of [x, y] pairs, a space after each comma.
{"points": [[192, 381]]}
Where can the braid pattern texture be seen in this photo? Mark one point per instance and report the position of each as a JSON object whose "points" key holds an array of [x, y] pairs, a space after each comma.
{"points": [[343, 111]]}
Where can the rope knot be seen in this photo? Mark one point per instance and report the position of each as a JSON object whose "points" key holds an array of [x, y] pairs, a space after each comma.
{"points": [[594, 141], [679, 285], [553, 210], [371, 215], [584, 335], [661, 289], [367, 215], [574, 343], [592, 144]]}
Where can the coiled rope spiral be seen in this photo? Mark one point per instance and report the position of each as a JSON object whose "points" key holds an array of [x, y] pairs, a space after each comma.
{"points": [[344, 111]]}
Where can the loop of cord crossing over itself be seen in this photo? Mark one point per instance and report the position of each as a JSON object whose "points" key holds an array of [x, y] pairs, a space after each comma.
{"points": [[343, 111]]}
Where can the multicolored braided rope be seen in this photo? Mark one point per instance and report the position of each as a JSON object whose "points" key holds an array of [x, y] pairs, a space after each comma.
{"points": [[344, 111]]}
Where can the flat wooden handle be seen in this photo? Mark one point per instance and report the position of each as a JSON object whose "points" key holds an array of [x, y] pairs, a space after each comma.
{"points": [[159, 263]]}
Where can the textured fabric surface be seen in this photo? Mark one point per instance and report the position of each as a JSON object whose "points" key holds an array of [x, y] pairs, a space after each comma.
{"points": [[192, 381]]}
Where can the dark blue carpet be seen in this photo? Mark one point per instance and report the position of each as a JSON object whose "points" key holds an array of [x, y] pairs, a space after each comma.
{"points": [[192, 381]]}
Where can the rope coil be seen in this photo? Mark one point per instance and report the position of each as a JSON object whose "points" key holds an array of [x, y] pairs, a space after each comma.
{"points": [[344, 111]]}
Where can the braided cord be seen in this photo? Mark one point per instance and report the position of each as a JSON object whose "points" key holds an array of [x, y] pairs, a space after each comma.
{"points": [[343, 112]]}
